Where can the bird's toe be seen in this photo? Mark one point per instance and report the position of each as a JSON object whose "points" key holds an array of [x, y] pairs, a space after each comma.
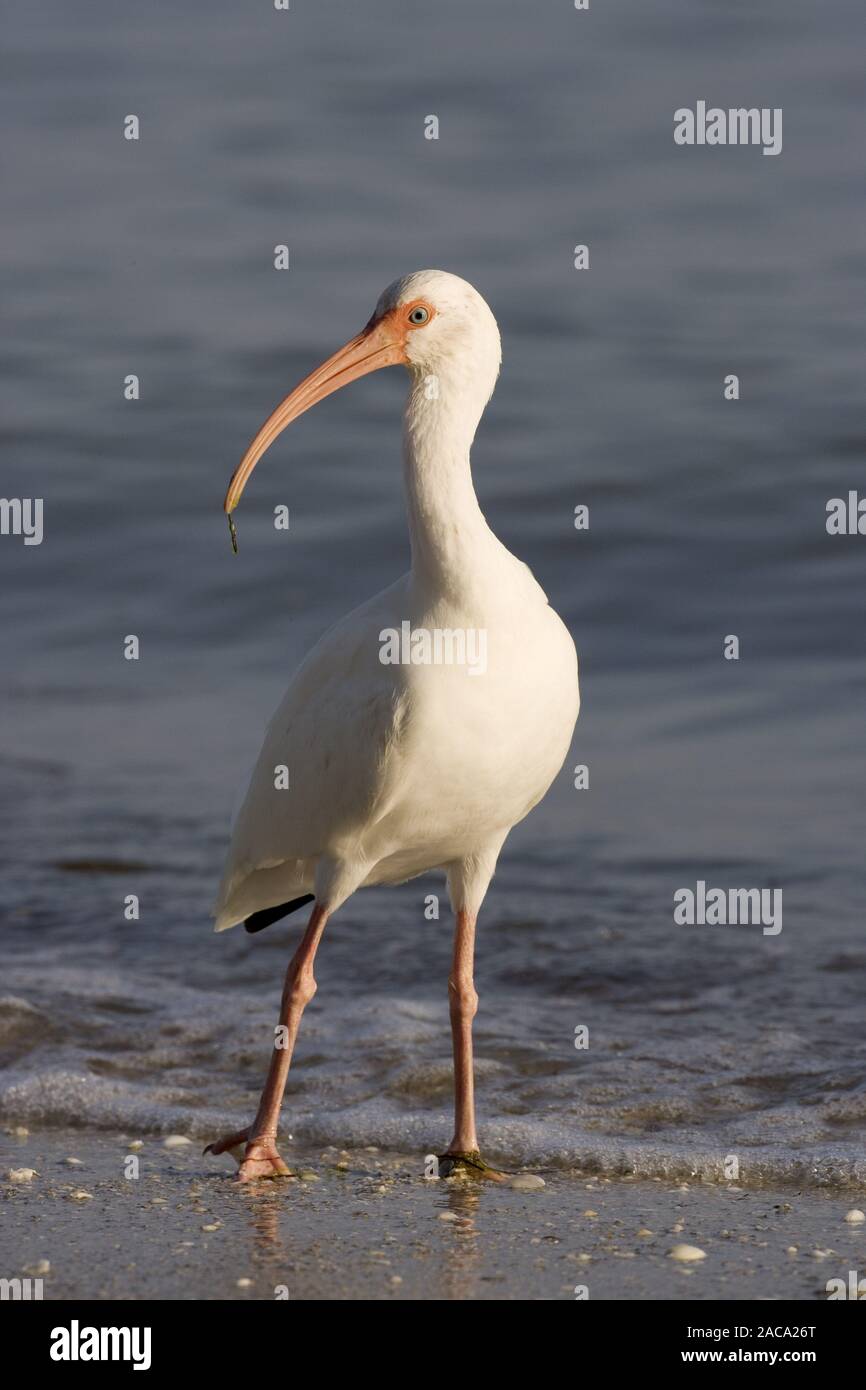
{"points": [[227, 1143], [468, 1165], [261, 1160]]}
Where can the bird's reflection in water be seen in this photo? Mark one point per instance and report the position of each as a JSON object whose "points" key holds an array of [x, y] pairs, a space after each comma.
{"points": [[460, 1243], [266, 1205], [457, 1241]]}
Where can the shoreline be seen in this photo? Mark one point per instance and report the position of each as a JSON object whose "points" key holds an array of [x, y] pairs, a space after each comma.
{"points": [[366, 1225]]}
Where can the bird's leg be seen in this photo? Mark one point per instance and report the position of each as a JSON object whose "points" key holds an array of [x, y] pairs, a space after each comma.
{"points": [[463, 1003], [463, 1006], [261, 1158]]}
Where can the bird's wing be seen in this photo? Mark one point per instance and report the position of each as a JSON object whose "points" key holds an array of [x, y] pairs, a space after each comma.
{"points": [[324, 762]]}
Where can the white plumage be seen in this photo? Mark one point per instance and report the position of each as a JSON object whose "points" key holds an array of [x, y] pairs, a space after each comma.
{"points": [[393, 769], [397, 769]]}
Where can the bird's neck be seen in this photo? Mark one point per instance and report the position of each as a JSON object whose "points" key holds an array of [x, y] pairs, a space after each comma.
{"points": [[448, 533]]}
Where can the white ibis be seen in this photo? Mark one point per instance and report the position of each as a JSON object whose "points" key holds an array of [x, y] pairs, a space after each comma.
{"points": [[427, 722]]}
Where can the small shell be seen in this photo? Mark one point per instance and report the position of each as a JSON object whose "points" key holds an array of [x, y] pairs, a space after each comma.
{"points": [[687, 1253], [527, 1182]]}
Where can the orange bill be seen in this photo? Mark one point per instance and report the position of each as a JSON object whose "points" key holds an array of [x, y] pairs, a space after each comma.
{"points": [[380, 344]]}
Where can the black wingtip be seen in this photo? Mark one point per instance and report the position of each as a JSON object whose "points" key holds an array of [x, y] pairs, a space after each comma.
{"points": [[260, 920]]}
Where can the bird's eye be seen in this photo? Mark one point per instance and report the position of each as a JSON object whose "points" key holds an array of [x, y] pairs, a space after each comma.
{"points": [[419, 315]]}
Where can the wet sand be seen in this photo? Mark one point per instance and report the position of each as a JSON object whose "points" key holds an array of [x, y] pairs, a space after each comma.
{"points": [[369, 1225]]}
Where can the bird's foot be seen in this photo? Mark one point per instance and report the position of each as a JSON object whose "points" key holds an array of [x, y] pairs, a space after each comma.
{"points": [[256, 1158], [468, 1165]]}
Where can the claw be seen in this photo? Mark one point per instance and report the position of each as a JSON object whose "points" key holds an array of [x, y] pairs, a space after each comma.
{"points": [[259, 1158], [229, 1142], [262, 1161], [468, 1165]]}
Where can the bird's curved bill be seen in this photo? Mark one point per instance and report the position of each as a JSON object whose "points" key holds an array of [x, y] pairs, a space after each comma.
{"points": [[378, 345]]}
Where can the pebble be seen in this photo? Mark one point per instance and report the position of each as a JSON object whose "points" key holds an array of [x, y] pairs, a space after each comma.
{"points": [[448, 1216], [41, 1267], [855, 1216], [79, 1195], [687, 1253], [644, 1234], [527, 1182], [175, 1141], [22, 1174], [74, 1162], [589, 1212], [214, 1226], [307, 1175], [137, 1144], [244, 1283], [19, 1132]]}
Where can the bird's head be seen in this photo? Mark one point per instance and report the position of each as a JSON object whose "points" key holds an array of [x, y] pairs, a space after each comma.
{"points": [[442, 323], [434, 323]]}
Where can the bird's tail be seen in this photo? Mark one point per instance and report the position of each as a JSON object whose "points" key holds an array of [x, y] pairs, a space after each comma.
{"points": [[260, 920]]}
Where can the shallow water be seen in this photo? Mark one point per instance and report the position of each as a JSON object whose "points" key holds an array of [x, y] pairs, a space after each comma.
{"points": [[707, 518], [368, 1225]]}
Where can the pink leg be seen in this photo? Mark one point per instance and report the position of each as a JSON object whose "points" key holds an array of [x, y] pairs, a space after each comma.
{"points": [[463, 1150], [463, 1004], [261, 1158]]}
